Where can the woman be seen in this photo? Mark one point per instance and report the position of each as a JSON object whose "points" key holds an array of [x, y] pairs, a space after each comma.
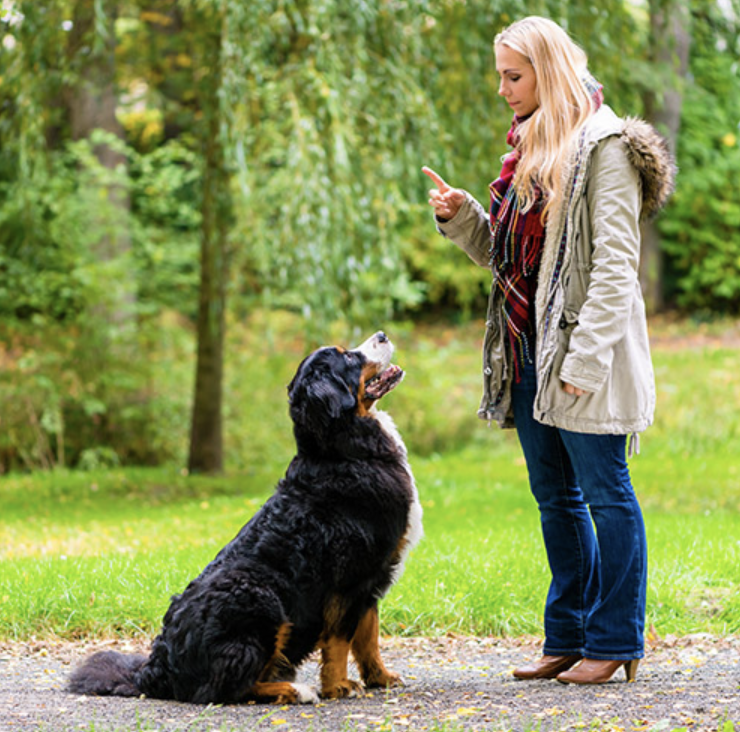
{"points": [[566, 354]]}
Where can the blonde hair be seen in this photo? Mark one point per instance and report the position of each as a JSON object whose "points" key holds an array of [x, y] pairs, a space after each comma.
{"points": [[560, 67]]}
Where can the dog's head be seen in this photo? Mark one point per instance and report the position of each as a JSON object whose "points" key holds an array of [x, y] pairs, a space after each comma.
{"points": [[333, 383]]}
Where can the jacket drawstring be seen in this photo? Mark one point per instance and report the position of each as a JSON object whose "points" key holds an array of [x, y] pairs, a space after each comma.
{"points": [[633, 445]]}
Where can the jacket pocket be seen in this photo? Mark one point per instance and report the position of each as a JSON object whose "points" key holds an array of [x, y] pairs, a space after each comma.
{"points": [[576, 289], [566, 324], [494, 356]]}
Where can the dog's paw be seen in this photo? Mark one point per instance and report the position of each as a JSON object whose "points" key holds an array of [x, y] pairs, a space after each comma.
{"points": [[305, 694], [342, 689], [384, 680]]}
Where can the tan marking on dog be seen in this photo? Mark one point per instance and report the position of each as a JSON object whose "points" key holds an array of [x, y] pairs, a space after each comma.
{"points": [[278, 665], [281, 692], [334, 612], [364, 404], [334, 681], [366, 651]]}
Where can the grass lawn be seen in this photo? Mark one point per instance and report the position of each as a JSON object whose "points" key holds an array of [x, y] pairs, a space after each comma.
{"points": [[100, 553]]}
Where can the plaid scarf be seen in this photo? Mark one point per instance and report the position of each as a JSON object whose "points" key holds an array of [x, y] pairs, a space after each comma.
{"points": [[516, 245]]}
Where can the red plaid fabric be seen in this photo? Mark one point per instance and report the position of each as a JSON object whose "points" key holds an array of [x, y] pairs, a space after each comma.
{"points": [[516, 245], [516, 249]]}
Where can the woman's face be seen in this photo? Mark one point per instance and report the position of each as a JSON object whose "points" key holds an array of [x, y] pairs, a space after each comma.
{"points": [[518, 81]]}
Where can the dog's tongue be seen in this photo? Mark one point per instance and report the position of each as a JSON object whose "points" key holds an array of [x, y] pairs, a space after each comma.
{"points": [[388, 380]]}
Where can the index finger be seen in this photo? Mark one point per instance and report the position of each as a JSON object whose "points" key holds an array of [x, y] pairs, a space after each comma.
{"points": [[442, 187]]}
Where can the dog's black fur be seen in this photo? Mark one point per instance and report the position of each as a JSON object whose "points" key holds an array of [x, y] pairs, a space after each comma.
{"points": [[306, 571]]}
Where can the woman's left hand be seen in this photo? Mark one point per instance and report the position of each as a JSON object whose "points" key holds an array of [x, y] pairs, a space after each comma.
{"points": [[574, 390]]}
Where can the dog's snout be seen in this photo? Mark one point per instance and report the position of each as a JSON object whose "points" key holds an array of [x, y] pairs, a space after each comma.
{"points": [[377, 348]]}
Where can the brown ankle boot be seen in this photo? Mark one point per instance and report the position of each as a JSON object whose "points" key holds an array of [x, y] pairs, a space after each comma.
{"points": [[548, 667], [590, 671]]}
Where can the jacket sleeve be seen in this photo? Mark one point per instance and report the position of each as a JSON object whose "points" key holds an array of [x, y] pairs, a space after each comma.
{"points": [[469, 230], [613, 198]]}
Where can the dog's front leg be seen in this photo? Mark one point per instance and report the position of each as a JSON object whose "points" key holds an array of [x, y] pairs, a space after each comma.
{"points": [[366, 651], [334, 681]]}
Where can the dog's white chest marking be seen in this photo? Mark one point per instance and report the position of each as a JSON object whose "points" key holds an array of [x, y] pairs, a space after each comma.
{"points": [[414, 528]]}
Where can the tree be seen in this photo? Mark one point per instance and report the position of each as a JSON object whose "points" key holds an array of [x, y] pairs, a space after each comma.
{"points": [[92, 98], [701, 228], [206, 435], [670, 42]]}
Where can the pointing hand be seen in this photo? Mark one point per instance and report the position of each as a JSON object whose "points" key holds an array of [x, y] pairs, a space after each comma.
{"points": [[444, 200]]}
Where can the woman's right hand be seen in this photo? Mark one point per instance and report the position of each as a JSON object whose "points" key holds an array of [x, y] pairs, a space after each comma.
{"points": [[445, 201]]}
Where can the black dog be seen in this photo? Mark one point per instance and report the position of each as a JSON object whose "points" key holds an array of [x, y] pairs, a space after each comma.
{"points": [[308, 569]]}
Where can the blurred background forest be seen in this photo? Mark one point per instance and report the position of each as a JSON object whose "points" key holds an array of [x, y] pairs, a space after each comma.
{"points": [[178, 176]]}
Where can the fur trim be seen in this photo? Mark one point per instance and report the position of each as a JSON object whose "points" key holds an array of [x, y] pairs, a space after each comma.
{"points": [[652, 158]]}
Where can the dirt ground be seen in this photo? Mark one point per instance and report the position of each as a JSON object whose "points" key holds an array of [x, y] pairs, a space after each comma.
{"points": [[462, 682]]}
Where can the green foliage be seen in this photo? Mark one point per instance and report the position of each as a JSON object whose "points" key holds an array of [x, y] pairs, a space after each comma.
{"points": [[82, 397], [327, 112], [324, 154], [701, 226], [34, 268], [79, 386], [50, 228], [38, 274], [165, 198]]}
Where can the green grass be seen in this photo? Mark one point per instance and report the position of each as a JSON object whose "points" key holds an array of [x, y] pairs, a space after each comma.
{"points": [[100, 553]]}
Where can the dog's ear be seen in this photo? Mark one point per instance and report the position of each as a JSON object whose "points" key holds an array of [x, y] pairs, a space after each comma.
{"points": [[331, 395], [316, 400]]}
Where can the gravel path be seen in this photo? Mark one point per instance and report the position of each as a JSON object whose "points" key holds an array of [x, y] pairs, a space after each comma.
{"points": [[461, 682]]}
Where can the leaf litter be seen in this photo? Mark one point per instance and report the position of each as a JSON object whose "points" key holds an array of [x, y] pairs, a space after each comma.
{"points": [[452, 683]]}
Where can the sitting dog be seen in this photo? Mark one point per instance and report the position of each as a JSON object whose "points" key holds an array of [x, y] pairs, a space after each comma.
{"points": [[307, 571]]}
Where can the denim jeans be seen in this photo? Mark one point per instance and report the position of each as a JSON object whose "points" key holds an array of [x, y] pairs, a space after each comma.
{"points": [[593, 532]]}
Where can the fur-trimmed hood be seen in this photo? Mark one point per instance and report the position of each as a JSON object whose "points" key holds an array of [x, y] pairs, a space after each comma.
{"points": [[647, 151]]}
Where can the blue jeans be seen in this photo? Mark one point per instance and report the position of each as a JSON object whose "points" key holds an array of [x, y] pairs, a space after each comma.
{"points": [[593, 532]]}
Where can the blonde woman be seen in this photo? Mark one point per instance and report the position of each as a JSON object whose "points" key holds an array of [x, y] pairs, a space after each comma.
{"points": [[566, 357]]}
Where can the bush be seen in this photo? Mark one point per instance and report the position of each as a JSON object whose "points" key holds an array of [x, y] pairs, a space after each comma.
{"points": [[701, 227], [70, 397], [700, 232]]}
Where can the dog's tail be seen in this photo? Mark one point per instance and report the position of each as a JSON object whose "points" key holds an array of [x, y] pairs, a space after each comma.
{"points": [[107, 673]]}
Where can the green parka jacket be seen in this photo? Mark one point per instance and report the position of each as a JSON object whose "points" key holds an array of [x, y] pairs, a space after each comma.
{"points": [[590, 315]]}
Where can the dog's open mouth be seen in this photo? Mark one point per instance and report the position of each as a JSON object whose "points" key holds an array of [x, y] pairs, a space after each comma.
{"points": [[384, 382]]}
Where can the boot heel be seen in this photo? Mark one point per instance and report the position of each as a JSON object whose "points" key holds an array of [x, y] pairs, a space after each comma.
{"points": [[630, 669]]}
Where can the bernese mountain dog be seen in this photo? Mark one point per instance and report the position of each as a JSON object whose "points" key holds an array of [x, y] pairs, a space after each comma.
{"points": [[307, 571]]}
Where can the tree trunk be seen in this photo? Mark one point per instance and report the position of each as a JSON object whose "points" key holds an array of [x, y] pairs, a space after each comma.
{"points": [[92, 101], [206, 438], [670, 25]]}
